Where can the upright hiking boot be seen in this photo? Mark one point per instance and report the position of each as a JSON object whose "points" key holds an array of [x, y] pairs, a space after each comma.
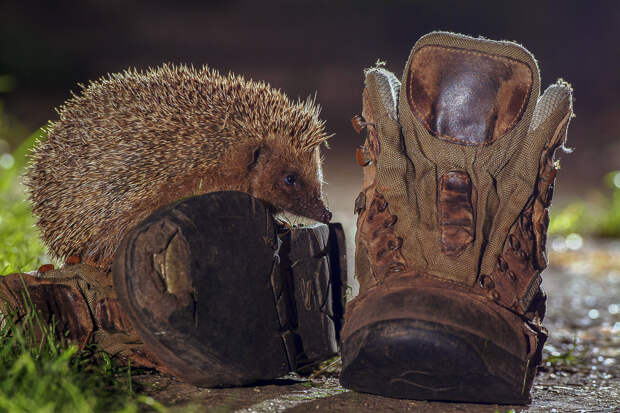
{"points": [[211, 289], [458, 177]]}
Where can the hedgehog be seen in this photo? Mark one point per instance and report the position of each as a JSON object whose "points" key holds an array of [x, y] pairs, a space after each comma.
{"points": [[132, 142]]}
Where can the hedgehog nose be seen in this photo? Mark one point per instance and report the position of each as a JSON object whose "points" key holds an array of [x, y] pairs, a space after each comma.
{"points": [[327, 216]]}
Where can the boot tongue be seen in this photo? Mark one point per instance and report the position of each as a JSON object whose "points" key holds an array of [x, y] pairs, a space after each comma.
{"points": [[467, 96]]}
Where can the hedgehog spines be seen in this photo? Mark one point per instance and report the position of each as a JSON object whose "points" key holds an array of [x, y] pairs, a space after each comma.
{"points": [[123, 137]]}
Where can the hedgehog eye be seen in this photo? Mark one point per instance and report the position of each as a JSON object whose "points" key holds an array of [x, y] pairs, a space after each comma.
{"points": [[290, 179]]}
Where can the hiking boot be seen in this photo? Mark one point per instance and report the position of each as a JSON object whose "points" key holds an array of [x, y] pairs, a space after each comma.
{"points": [[211, 289], [458, 177]]}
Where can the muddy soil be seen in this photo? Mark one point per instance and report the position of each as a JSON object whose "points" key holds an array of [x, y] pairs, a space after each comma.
{"points": [[581, 372]]}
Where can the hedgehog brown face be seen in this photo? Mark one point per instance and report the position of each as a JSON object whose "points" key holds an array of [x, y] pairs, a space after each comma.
{"points": [[290, 181]]}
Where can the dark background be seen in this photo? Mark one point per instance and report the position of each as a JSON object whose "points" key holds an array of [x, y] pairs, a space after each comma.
{"points": [[305, 47]]}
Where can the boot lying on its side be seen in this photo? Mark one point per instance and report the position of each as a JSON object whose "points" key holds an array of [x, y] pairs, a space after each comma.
{"points": [[210, 289], [458, 176]]}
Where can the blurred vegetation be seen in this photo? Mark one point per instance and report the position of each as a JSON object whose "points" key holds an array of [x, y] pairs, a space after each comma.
{"points": [[598, 218], [20, 246]]}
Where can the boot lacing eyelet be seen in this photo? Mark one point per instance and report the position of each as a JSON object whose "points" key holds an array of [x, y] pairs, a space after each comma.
{"points": [[389, 222], [511, 274], [396, 267], [395, 243], [487, 282]]}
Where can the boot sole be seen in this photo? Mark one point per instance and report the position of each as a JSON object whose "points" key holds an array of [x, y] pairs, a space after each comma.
{"points": [[204, 287], [422, 360]]}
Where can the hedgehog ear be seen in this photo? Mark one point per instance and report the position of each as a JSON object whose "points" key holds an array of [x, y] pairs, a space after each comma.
{"points": [[258, 153]]}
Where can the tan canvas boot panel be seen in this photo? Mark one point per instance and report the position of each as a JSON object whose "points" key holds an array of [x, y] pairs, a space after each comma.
{"points": [[377, 246], [467, 161]]}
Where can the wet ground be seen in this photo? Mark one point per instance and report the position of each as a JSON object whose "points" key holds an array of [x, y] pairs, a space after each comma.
{"points": [[581, 372]]}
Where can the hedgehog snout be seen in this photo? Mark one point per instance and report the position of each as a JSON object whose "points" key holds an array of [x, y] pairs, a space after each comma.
{"points": [[316, 209], [326, 216]]}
